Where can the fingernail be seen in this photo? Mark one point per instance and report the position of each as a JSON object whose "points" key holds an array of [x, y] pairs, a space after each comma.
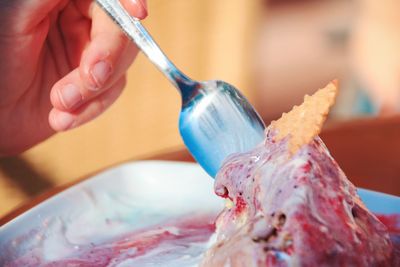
{"points": [[70, 96], [100, 72], [143, 7], [65, 121], [136, 8]]}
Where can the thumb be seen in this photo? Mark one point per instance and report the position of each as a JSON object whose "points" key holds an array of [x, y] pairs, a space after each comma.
{"points": [[137, 8]]}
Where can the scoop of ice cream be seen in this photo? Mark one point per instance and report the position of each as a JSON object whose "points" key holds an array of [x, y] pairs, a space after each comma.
{"points": [[293, 210]]}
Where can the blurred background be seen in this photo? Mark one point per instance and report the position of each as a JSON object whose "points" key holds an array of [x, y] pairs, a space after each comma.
{"points": [[274, 51]]}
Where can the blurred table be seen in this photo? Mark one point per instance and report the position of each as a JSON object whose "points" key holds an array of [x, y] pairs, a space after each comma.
{"points": [[367, 150]]}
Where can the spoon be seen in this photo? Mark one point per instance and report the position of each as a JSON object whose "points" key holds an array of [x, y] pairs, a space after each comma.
{"points": [[216, 120]]}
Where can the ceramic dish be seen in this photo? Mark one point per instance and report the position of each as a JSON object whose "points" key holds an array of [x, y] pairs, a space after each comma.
{"points": [[153, 213]]}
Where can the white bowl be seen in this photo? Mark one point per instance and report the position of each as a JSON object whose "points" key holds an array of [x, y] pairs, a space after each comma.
{"points": [[132, 196]]}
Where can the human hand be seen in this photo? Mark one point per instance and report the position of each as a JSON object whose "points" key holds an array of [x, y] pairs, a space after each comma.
{"points": [[62, 63]]}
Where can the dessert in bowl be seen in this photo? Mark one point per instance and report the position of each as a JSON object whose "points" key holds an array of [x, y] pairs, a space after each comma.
{"points": [[289, 204]]}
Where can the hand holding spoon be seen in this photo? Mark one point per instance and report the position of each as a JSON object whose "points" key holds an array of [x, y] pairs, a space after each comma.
{"points": [[216, 120]]}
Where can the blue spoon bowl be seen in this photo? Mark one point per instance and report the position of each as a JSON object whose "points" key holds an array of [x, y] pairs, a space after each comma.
{"points": [[216, 119]]}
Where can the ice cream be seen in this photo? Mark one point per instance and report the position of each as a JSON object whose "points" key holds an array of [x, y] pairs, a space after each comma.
{"points": [[290, 204], [297, 212]]}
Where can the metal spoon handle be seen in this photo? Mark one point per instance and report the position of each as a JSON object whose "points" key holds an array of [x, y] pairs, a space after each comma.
{"points": [[137, 33]]}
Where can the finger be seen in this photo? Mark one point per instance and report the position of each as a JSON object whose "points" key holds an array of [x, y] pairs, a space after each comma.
{"points": [[69, 93], [137, 8], [108, 55], [96, 72], [74, 38], [62, 121]]}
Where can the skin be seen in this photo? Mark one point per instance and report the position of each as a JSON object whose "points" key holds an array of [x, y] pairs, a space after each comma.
{"points": [[62, 63]]}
